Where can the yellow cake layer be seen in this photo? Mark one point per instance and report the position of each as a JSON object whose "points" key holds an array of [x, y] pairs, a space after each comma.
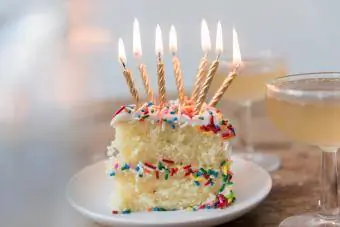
{"points": [[140, 194], [143, 141]]}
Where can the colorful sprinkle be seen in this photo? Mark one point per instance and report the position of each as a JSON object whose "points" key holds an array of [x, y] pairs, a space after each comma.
{"points": [[125, 167], [207, 183], [166, 174], [149, 165], [173, 171], [197, 183], [161, 166], [225, 169], [202, 206], [168, 161], [222, 188], [203, 171], [223, 162], [187, 173], [225, 178], [119, 110], [126, 211], [213, 173], [187, 167], [231, 194]]}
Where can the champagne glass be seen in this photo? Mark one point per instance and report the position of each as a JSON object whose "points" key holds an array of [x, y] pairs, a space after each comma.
{"points": [[306, 107], [248, 87]]}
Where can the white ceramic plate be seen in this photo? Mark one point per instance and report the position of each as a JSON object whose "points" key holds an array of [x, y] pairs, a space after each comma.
{"points": [[89, 191]]}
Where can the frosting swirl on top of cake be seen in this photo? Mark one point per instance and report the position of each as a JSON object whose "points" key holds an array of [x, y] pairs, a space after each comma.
{"points": [[210, 119]]}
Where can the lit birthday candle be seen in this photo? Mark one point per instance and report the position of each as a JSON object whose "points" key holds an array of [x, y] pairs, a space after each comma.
{"points": [[237, 61], [160, 65], [212, 70], [137, 52], [206, 46], [176, 64], [127, 72]]}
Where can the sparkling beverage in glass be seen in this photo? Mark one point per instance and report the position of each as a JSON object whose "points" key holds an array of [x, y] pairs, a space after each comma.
{"points": [[306, 107]]}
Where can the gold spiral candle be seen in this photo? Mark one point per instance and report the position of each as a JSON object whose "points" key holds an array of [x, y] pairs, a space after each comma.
{"points": [[126, 72], [176, 64], [205, 87], [199, 78], [179, 78], [161, 82], [133, 90], [137, 51], [160, 66], [226, 83], [145, 78]]}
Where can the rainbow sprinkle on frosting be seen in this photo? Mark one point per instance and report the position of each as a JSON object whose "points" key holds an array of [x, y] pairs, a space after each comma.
{"points": [[210, 119]]}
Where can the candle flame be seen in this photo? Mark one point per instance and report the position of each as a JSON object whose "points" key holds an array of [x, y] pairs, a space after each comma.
{"points": [[236, 49], [121, 51], [173, 40], [205, 37], [219, 39], [159, 41], [137, 46]]}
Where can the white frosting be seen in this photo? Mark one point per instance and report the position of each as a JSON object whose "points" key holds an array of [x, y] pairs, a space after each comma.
{"points": [[175, 115], [182, 119]]}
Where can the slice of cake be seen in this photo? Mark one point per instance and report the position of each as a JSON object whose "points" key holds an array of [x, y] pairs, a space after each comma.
{"points": [[168, 158]]}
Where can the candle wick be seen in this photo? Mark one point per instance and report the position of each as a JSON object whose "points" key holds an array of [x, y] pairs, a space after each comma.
{"points": [[218, 56], [122, 62], [237, 66], [159, 57]]}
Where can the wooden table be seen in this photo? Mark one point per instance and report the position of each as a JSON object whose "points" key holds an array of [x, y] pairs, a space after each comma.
{"points": [[39, 155]]}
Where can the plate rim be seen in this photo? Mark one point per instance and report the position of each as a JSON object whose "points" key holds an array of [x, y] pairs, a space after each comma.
{"points": [[237, 208]]}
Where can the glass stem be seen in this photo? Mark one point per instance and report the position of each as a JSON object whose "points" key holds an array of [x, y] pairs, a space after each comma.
{"points": [[329, 205], [245, 126]]}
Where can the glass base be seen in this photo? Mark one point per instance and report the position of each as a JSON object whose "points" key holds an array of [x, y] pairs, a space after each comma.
{"points": [[268, 162], [309, 220]]}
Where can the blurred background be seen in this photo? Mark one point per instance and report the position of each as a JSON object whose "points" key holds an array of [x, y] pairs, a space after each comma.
{"points": [[60, 79]]}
